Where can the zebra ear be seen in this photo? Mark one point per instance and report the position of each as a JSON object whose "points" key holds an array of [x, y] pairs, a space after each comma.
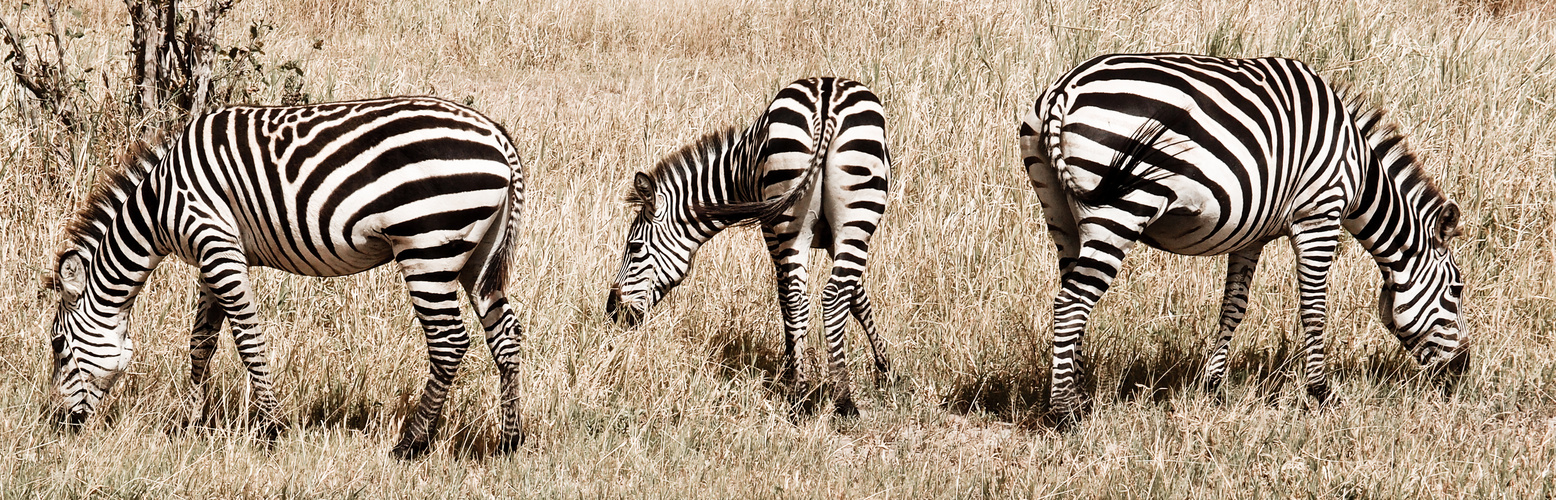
{"points": [[643, 190], [72, 275], [1448, 223]]}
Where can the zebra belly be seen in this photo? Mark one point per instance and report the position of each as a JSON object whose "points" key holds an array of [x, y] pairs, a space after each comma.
{"points": [[1192, 235], [367, 254]]}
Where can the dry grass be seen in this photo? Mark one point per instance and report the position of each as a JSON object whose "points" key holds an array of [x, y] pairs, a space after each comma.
{"points": [[962, 271]]}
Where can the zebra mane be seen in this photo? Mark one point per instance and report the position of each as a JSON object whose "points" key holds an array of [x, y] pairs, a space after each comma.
{"points": [[695, 156], [86, 229], [1388, 145]]}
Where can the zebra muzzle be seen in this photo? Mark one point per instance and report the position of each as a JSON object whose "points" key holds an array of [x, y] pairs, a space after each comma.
{"points": [[74, 418], [621, 312], [1460, 362]]}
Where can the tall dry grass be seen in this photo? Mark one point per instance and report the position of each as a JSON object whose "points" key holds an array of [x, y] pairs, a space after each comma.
{"points": [[962, 271]]}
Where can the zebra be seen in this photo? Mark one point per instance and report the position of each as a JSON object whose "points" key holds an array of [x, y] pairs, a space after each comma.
{"points": [[1200, 155], [321, 190], [813, 172]]}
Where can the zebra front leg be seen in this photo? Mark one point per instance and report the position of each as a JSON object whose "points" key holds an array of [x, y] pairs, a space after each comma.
{"points": [[224, 271], [1314, 240], [1106, 235], [1240, 267], [202, 344], [835, 300], [434, 295]]}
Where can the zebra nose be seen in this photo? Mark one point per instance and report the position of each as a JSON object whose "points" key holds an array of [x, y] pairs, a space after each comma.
{"points": [[1460, 362], [618, 311], [75, 417]]}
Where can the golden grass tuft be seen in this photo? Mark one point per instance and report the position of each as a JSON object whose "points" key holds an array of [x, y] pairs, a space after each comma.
{"points": [[962, 271]]}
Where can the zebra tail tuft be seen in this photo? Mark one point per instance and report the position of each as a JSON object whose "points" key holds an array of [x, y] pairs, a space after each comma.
{"points": [[1132, 165]]}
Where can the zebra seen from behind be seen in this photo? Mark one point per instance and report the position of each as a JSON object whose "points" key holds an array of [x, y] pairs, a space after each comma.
{"points": [[1206, 156], [322, 190], [813, 171]]}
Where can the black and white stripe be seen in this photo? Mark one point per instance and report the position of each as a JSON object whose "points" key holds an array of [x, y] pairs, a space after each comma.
{"points": [[324, 190], [1205, 156], [813, 171]]}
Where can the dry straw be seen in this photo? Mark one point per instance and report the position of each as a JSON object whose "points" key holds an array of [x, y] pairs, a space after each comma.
{"points": [[962, 271]]}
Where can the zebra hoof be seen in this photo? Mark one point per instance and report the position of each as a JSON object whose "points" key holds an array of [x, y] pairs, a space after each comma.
{"points": [[269, 431], [267, 428], [845, 408], [411, 449], [509, 444], [801, 408], [1212, 389], [1065, 414], [802, 405], [886, 379], [1321, 395], [1064, 421]]}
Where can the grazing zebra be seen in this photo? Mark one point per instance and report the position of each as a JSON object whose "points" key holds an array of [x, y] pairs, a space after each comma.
{"points": [[813, 172], [323, 190], [1205, 156]]}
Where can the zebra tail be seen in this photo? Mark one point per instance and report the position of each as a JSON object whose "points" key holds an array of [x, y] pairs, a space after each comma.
{"points": [[767, 211], [1052, 125], [495, 276]]}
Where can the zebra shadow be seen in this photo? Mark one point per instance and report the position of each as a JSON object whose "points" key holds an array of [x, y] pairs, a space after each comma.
{"points": [[737, 352], [744, 351], [1014, 391]]}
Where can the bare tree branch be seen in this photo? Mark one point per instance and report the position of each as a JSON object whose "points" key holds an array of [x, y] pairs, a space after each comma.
{"points": [[144, 54], [19, 65], [200, 41], [47, 81]]}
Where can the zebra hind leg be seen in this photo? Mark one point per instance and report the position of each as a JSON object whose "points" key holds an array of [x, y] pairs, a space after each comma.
{"points": [[1240, 267], [202, 345], [864, 312], [503, 334], [796, 363], [789, 248], [435, 299], [1106, 236], [835, 299]]}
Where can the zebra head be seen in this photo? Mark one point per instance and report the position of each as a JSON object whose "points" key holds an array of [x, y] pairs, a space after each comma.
{"points": [[657, 256], [1420, 298], [91, 350]]}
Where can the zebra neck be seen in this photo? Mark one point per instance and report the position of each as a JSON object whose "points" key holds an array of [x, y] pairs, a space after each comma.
{"points": [[1395, 194], [124, 257], [1387, 220], [724, 172]]}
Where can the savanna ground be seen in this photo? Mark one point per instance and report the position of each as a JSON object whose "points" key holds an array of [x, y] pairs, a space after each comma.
{"points": [[962, 271]]}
